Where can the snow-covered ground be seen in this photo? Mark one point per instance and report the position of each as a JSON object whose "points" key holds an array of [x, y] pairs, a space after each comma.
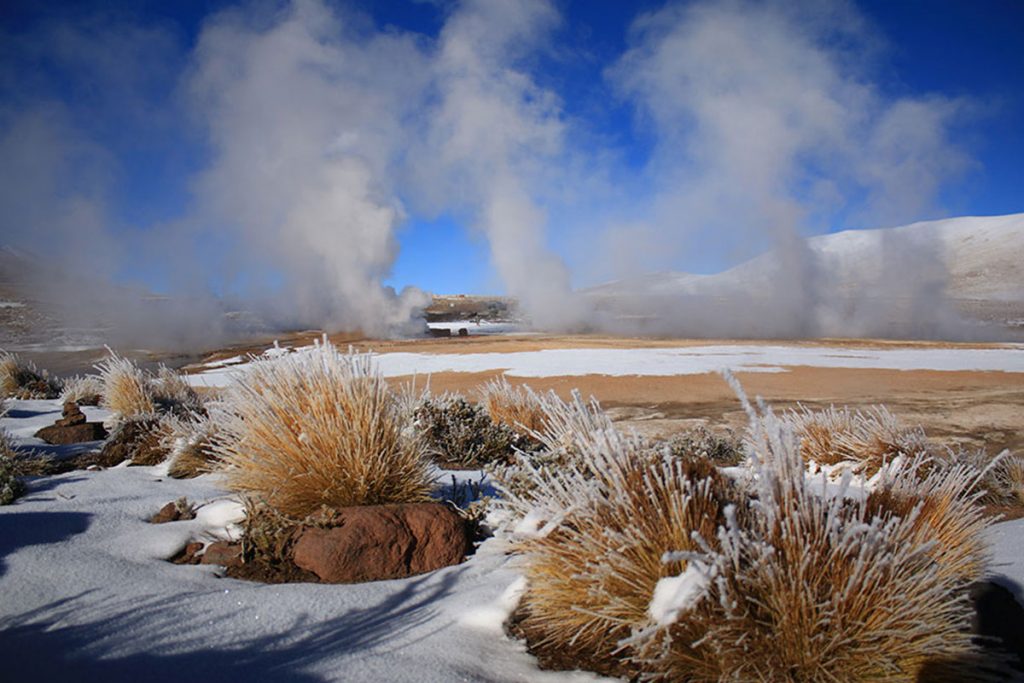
{"points": [[678, 361], [88, 596]]}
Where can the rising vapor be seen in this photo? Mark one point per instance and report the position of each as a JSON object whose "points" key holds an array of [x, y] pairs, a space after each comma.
{"points": [[324, 134]]}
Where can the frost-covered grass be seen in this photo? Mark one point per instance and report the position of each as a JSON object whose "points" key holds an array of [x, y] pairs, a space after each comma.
{"points": [[863, 441], [125, 387], [189, 442], [20, 378], [516, 407], [303, 431], [642, 563], [83, 389]]}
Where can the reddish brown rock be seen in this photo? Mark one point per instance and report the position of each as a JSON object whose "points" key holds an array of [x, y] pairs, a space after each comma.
{"points": [[72, 415], [223, 553], [377, 542], [189, 554], [168, 513], [58, 435]]}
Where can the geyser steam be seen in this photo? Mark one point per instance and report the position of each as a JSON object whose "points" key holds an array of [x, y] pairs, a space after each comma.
{"points": [[322, 134]]}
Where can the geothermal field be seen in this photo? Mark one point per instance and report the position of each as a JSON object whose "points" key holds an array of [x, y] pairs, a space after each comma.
{"points": [[583, 504], [511, 341]]}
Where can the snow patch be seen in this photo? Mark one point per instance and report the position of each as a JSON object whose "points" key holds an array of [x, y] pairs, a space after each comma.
{"points": [[675, 595], [492, 617]]}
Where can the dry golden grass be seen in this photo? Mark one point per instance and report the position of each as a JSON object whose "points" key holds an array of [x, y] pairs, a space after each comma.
{"points": [[940, 507], [83, 389], [817, 588], [126, 390], [172, 393], [22, 379], [319, 428], [591, 578], [866, 440], [1000, 480], [516, 407], [796, 582], [190, 444]]}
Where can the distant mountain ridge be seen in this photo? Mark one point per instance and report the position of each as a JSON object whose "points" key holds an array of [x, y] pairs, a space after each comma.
{"points": [[977, 263]]}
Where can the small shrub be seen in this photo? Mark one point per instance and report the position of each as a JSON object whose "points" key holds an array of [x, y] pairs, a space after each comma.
{"points": [[138, 438], [865, 441], [722, 448], [516, 407], [171, 393], [126, 390], [1000, 479], [460, 434], [313, 429], [189, 442], [10, 486], [21, 379], [85, 390]]}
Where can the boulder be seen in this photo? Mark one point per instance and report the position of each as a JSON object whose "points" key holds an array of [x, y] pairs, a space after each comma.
{"points": [[375, 542], [58, 434]]}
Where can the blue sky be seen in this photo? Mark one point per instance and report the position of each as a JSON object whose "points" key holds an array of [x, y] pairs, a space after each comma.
{"points": [[101, 116]]}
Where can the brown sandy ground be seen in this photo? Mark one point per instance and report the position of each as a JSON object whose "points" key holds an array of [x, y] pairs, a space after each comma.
{"points": [[976, 409]]}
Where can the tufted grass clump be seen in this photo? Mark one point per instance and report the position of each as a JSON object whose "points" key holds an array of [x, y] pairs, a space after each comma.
{"points": [[85, 390], [862, 441], [189, 442], [648, 564], [519, 408], [319, 429], [594, 539], [171, 393], [10, 486], [126, 390], [21, 379]]}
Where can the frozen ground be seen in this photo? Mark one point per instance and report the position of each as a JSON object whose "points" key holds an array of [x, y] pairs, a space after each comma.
{"points": [[679, 361]]}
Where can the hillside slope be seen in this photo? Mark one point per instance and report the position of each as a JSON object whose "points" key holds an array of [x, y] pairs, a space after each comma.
{"points": [[972, 265]]}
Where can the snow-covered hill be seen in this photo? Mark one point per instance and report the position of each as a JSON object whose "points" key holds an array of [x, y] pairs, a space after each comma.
{"points": [[973, 264]]}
